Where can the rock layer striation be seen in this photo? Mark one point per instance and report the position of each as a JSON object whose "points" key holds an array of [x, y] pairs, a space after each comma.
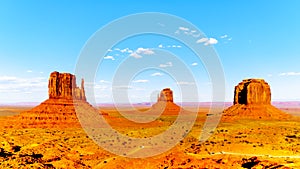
{"points": [[60, 108]]}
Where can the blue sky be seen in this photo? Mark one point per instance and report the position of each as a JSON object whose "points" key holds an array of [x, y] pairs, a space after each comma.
{"points": [[254, 39]]}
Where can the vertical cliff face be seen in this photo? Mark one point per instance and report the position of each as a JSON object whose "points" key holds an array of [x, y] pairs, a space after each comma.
{"points": [[252, 99], [252, 91], [165, 103], [59, 109], [166, 95], [63, 86]]}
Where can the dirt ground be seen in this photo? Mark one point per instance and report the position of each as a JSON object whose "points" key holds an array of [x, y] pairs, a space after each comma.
{"points": [[238, 144]]}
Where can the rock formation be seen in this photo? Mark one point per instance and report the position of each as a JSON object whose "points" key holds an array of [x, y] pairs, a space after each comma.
{"points": [[59, 109], [165, 103], [252, 99], [252, 91], [166, 95], [63, 86]]}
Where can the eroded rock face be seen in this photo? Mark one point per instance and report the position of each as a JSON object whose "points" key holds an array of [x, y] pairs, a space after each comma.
{"points": [[252, 100], [60, 109], [252, 91], [63, 86], [166, 95], [165, 103]]}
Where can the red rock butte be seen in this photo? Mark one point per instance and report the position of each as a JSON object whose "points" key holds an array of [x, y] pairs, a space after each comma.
{"points": [[252, 100], [63, 86], [166, 95], [59, 109], [165, 103]]}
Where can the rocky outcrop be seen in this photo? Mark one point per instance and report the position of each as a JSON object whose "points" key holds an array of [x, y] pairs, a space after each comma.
{"points": [[166, 95], [60, 109], [252, 100], [165, 103], [252, 91], [63, 86]]}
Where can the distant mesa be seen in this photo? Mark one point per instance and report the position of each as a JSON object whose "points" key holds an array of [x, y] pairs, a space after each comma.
{"points": [[165, 103], [252, 99], [166, 95], [59, 109]]}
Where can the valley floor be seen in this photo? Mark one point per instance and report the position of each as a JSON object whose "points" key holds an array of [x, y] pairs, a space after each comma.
{"points": [[237, 144]]}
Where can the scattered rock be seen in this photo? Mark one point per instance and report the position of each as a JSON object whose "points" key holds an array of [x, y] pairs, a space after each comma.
{"points": [[254, 162], [251, 162]]}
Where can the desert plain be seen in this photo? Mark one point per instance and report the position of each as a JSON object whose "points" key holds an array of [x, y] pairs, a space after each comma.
{"points": [[236, 144]]}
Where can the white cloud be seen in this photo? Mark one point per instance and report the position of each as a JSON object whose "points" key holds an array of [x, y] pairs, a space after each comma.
{"points": [[109, 50], [194, 64], [196, 35], [145, 51], [140, 81], [102, 96], [122, 87], [168, 64], [101, 87], [109, 57], [290, 74], [207, 41], [188, 32], [211, 41], [17, 84], [226, 38], [223, 36], [141, 51], [104, 81], [185, 83], [135, 55], [160, 46], [7, 78], [183, 28], [126, 50], [29, 71], [202, 40], [157, 74], [173, 46]]}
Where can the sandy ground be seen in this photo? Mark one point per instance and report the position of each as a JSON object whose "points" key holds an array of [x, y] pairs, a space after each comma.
{"points": [[238, 144]]}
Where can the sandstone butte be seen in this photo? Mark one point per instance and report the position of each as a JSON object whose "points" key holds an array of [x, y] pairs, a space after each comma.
{"points": [[165, 103], [252, 100], [59, 109]]}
